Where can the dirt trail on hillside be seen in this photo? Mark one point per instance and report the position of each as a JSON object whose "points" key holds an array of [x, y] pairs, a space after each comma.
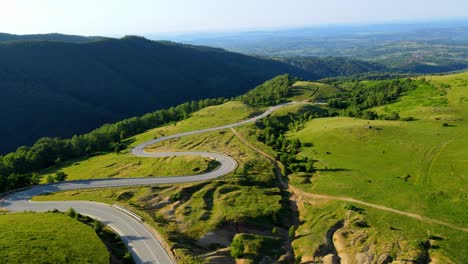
{"points": [[299, 194], [431, 157], [376, 206]]}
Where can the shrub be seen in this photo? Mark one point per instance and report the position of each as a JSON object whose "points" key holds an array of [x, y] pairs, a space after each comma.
{"points": [[298, 259], [237, 247], [97, 225], [72, 213], [292, 231], [60, 176], [50, 179], [274, 231]]}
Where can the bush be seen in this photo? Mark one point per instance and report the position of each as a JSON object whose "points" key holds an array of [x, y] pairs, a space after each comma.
{"points": [[50, 179], [60, 176], [237, 247], [292, 231], [72, 213], [274, 231], [298, 259], [97, 225]]}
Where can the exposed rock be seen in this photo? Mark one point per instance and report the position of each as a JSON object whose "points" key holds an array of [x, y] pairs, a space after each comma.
{"points": [[385, 258], [364, 258], [331, 259]]}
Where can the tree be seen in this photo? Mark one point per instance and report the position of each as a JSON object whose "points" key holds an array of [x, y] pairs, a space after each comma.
{"points": [[237, 247], [35, 178], [309, 167], [117, 149], [394, 116], [60, 176], [122, 135], [50, 179], [97, 225]]}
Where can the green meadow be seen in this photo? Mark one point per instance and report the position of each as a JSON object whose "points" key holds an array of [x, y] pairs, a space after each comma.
{"points": [[416, 166], [48, 238]]}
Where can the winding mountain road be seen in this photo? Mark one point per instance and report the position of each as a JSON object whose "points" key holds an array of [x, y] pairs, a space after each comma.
{"points": [[143, 246]]}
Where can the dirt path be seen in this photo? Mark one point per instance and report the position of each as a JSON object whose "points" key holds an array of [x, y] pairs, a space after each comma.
{"points": [[432, 156], [299, 194], [376, 206]]}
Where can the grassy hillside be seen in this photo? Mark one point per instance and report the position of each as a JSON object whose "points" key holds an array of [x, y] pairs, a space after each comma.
{"points": [[75, 87], [312, 91], [414, 166], [48, 238], [212, 116]]}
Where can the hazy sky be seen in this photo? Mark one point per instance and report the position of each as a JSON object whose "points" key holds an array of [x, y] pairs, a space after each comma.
{"points": [[121, 17]]}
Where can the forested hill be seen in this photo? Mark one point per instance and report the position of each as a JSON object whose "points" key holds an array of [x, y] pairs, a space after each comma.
{"points": [[61, 88], [47, 37], [334, 66]]}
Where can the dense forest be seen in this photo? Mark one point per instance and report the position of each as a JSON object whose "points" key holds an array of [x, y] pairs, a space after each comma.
{"points": [[47, 37], [333, 66], [271, 92], [53, 88]]}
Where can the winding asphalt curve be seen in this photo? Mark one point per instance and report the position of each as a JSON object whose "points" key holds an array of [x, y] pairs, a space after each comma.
{"points": [[143, 246]]}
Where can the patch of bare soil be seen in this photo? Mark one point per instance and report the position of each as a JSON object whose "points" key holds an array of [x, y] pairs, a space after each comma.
{"points": [[221, 237]]}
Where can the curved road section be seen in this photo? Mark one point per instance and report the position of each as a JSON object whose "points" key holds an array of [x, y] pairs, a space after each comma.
{"points": [[143, 246]]}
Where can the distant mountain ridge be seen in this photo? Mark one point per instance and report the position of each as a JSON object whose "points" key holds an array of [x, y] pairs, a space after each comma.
{"points": [[4, 37]]}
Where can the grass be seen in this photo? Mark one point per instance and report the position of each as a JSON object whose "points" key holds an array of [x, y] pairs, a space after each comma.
{"points": [[256, 246], [48, 238], [418, 166], [102, 195], [384, 233], [313, 91], [126, 166], [212, 116]]}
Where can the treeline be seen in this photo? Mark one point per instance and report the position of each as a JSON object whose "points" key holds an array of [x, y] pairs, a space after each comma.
{"points": [[19, 169], [273, 131], [270, 92], [333, 66], [358, 96]]}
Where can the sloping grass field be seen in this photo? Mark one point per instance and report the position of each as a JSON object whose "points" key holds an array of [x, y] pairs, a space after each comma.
{"points": [[48, 238], [415, 166], [314, 91]]}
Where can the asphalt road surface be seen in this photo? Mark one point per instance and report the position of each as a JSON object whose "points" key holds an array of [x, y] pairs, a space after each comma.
{"points": [[143, 246]]}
